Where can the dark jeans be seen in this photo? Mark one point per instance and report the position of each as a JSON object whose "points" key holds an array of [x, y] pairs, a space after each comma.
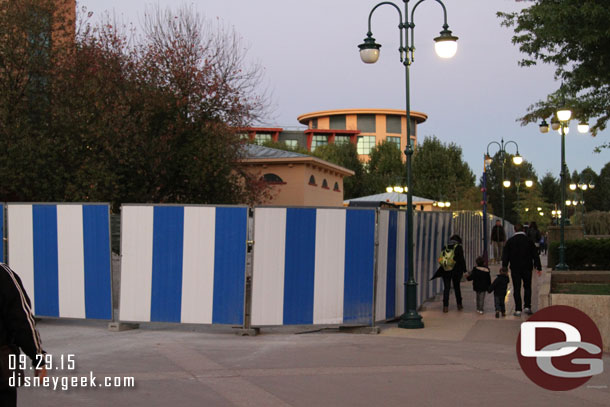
{"points": [[499, 303], [526, 278], [480, 300], [456, 287]]}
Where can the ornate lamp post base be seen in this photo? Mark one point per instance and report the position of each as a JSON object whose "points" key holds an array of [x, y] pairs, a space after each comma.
{"points": [[411, 319]]}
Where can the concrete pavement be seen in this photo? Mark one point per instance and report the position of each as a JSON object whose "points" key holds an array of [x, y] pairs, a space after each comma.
{"points": [[459, 358]]}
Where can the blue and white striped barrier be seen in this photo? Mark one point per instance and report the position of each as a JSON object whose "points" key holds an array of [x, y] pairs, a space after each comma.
{"points": [[313, 266], [390, 291], [62, 254], [183, 264]]}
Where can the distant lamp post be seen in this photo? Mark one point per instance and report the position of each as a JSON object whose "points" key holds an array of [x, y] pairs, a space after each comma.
{"points": [[445, 47], [517, 160]]}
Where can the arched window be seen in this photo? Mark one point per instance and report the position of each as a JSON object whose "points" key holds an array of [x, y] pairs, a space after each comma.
{"points": [[312, 181], [325, 184], [336, 187], [271, 178]]}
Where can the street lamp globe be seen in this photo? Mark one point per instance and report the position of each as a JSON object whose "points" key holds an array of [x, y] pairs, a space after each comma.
{"points": [[517, 159], [566, 130], [583, 186], [506, 184], [445, 45], [389, 189], [564, 114], [544, 126], [591, 185], [529, 183], [369, 50], [573, 187], [583, 127]]}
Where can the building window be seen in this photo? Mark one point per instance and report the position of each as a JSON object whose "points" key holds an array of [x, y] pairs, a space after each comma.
{"points": [[366, 123], [325, 184], [341, 140], [262, 138], [313, 123], [365, 144], [337, 122], [317, 141], [395, 140], [291, 143], [312, 181], [273, 179], [393, 124], [243, 136], [336, 187]]}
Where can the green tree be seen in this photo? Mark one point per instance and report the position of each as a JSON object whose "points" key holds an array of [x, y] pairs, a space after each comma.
{"points": [[603, 188], [550, 189], [385, 167], [573, 36], [439, 171]]}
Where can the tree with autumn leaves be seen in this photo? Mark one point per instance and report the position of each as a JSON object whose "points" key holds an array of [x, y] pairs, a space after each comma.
{"points": [[103, 113]]}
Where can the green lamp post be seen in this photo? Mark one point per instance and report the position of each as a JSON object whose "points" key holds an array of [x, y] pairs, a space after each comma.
{"points": [[561, 124], [445, 47]]}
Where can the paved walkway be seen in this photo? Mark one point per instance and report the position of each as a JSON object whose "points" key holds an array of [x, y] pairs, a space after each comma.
{"points": [[459, 358]]}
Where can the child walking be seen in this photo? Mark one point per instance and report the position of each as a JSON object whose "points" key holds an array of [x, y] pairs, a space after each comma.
{"points": [[499, 287], [481, 281]]}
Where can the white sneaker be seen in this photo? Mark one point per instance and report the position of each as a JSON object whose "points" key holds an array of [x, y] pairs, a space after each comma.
{"points": [[528, 311], [517, 313]]}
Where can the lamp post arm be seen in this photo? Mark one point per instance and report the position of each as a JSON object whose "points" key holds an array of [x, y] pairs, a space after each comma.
{"points": [[401, 25], [492, 143], [512, 142]]}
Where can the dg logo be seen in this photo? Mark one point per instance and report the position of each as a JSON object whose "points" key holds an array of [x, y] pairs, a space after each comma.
{"points": [[560, 348]]}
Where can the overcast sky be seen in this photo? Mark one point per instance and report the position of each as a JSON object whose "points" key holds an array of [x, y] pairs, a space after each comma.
{"points": [[309, 51]]}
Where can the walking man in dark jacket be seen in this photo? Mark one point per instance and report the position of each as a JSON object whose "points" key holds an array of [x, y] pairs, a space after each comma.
{"points": [[498, 237], [522, 255], [17, 330]]}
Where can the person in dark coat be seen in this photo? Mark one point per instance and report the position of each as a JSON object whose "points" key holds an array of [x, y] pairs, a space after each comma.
{"points": [[499, 288], [522, 255], [481, 280], [534, 235], [498, 237], [454, 275], [17, 330]]}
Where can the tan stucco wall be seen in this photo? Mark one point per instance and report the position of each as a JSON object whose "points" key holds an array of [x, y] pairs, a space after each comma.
{"points": [[296, 191]]}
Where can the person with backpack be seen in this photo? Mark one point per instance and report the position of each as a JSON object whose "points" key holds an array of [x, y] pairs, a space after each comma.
{"points": [[452, 268], [481, 280], [499, 288]]}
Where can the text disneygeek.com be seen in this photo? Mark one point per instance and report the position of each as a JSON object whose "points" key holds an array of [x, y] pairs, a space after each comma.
{"points": [[69, 382]]}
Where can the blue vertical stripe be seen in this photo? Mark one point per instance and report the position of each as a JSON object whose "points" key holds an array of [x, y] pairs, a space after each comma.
{"points": [[46, 287], [359, 266], [168, 236], [299, 266], [96, 250], [230, 265], [390, 295]]}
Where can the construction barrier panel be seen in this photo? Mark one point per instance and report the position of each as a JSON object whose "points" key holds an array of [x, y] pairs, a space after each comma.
{"points": [[183, 264], [313, 266], [62, 254]]}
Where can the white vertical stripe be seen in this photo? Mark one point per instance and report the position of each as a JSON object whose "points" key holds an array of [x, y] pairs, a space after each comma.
{"points": [[329, 266], [136, 262], [382, 265], [198, 265], [268, 266], [21, 245], [400, 259], [70, 261]]}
